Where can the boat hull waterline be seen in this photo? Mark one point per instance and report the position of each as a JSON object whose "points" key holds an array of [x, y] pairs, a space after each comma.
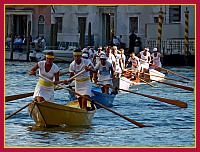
{"points": [[52, 114]]}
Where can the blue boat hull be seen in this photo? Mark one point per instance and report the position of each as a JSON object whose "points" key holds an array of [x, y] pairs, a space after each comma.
{"points": [[104, 99]]}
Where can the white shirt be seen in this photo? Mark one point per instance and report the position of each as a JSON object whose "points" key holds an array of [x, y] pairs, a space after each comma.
{"points": [[134, 62], [117, 61], [156, 59], [47, 92], [50, 75], [144, 62], [83, 85], [104, 72]]}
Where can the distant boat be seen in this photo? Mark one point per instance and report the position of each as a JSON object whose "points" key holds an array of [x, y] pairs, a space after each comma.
{"points": [[61, 55]]}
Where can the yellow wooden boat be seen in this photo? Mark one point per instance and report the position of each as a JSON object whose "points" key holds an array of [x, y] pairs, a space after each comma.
{"points": [[47, 113]]}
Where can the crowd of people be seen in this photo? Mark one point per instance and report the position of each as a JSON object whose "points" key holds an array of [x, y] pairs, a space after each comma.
{"points": [[20, 40], [100, 66]]}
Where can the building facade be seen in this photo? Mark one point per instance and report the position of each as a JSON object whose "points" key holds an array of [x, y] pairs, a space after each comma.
{"points": [[106, 21], [25, 20], [117, 20]]}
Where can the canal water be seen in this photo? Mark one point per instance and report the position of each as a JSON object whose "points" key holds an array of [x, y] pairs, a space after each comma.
{"points": [[167, 125]]}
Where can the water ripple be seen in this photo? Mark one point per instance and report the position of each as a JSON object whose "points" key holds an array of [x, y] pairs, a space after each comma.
{"points": [[166, 124]]}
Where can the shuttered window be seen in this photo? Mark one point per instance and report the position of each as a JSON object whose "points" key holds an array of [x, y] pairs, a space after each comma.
{"points": [[174, 13], [133, 24], [41, 23]]}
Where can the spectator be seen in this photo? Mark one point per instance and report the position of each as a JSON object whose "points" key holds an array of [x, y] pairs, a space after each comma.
{"points": [[132, 39]]}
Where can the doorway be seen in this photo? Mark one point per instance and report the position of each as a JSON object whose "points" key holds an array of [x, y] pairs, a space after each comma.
{"points": [[107, 28], [20, 24]]}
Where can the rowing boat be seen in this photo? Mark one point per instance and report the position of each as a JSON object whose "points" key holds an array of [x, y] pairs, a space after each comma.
{"points": [[98, 96], [102, 98], [121, 83], [156, 75], [47, 113], [152, 76]]}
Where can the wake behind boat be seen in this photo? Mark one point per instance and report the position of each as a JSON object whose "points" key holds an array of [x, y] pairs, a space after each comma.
{"points": [[52, 114]]}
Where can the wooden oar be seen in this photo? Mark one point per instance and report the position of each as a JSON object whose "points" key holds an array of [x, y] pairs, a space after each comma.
{"points": [[79, 73], [100, 105], [168, 71], [169, 101], [159, 76], [166, 78], [142, 79], [172, 72], [17, 111], [19, 96], [177, 86], [145, 81]]}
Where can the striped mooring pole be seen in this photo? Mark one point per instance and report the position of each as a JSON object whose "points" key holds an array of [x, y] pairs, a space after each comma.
{"points": [[186, 42], [160, 20]]}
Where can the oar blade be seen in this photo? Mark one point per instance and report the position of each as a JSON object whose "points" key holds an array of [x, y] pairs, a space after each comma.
{"points": [[169, 101], [177, 86], [19, 96], [175, 73]]}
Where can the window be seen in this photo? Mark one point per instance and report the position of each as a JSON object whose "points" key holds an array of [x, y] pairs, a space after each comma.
{"points": [[59, 20], [41, 23], [174, 13], [133, 24], [81, 22], [156, 19]]}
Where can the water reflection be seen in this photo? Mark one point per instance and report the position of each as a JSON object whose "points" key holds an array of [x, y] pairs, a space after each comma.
{"points": [[168, 125], [74, 132]]}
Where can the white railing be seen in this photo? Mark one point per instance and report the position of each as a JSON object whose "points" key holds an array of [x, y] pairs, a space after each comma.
{"points": [[173, 46]]}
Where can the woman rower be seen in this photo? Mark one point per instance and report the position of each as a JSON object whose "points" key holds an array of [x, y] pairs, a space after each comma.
{"points": [[145, 58], [44, 90], [83, 83], [105, 73], [156, 60]]}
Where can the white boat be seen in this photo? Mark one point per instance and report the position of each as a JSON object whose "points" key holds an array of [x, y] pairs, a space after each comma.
{"points": [[61, 55], [153, 75], [52, 114], [156, 75], [36, 56], [121, 83]]}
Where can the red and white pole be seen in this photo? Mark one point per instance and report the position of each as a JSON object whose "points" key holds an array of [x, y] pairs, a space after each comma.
{"points": [[160, 20], [186, 41]]}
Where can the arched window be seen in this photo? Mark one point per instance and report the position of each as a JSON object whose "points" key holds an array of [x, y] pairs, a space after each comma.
{"points": [[41, 23]]}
